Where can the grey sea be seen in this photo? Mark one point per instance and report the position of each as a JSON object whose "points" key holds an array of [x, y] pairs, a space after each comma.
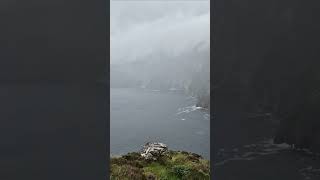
{"points": [[142, 115]]}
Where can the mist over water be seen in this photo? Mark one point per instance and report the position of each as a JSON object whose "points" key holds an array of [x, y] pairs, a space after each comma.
{"points": [[160, 44], [161, 47]]}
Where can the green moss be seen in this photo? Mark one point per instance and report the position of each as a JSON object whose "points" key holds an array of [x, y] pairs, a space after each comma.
{"points": [[175, 165]]}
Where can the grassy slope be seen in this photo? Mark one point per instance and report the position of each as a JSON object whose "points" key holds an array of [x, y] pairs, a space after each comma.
{"points": [[173, 166]]}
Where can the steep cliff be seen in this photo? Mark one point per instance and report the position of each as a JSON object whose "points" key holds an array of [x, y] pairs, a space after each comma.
{"points": [[189, 72], [266, 58]]}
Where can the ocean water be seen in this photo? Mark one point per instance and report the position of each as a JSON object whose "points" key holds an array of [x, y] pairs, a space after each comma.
{"points": [[140, 115]]}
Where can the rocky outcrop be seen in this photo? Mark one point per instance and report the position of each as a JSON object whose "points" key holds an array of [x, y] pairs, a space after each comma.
{"points": [[153, 150]]}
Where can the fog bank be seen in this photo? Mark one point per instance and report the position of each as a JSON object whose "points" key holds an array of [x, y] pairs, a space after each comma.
{"points": [[161, 45]]}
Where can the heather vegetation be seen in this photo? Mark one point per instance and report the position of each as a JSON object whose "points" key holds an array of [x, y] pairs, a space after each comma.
{"points": [[174, 165]]}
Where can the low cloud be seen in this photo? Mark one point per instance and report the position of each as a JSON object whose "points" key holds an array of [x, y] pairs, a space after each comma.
{"points": [[166, 28]]}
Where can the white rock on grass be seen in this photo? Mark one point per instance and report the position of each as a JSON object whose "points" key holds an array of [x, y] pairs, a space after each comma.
{"points": [[153, 150]]}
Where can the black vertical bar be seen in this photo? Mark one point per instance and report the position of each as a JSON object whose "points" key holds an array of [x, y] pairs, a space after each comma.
{"points": [[54, 89]]}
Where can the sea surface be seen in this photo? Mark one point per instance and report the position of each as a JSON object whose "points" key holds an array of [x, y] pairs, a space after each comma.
{"points": [[143, 115]]}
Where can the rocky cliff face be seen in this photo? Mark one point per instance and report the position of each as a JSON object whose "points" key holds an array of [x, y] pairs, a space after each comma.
{"points": [[266, 55]]}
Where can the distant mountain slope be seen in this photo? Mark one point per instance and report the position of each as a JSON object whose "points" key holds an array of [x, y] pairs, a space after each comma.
{"points": [[189, 72]]}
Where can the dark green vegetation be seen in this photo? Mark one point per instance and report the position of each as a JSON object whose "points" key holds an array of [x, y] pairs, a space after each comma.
{"points": [[174, 165]]}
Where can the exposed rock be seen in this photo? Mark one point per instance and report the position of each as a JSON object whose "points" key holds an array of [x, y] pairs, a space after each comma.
{"points": [[153, 150]]}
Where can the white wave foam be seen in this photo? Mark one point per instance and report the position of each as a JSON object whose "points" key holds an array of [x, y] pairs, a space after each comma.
{"points": [[188, 109]]}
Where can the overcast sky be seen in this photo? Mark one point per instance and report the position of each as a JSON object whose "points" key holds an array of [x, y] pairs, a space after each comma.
{"points": [[141, 28]]}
